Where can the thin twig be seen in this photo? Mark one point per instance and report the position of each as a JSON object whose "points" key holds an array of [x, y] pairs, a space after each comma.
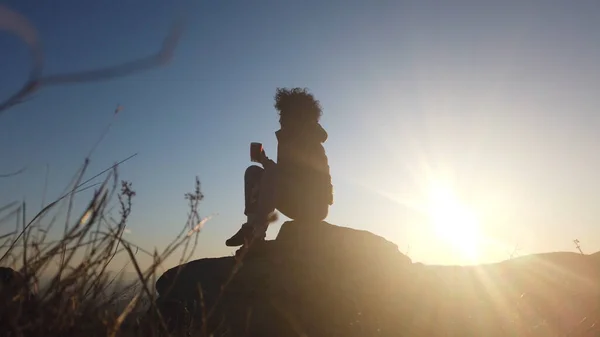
{"points": [[12, 174], [24, 29]]}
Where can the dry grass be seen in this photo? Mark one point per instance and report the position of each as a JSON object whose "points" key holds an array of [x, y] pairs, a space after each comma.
{"points": [[80, 295], [65, 286]]}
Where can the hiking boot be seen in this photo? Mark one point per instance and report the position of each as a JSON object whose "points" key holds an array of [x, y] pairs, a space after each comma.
{"points": [[243, 236]]}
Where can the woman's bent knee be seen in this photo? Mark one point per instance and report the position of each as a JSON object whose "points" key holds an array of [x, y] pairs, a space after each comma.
{"points": [[253, 172]]}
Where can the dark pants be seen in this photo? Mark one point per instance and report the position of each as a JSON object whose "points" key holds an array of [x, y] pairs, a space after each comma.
{"points": [[252, 179], [265, 191]]}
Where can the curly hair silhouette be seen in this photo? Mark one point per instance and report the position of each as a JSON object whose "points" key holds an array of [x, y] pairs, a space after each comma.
{"points": [[297, 106]]}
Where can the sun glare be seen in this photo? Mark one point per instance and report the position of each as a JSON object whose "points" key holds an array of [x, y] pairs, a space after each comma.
{"points": [[454, 222]]}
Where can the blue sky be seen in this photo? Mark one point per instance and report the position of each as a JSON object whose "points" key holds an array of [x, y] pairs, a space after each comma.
{"points": [[497, 100]]}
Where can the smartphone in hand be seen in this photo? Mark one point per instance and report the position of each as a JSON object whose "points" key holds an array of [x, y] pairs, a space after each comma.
{"points": [[256, 152]]}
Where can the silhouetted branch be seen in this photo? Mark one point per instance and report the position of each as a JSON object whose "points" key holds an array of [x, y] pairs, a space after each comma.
{"points": [[24, 29], [12, 174]]}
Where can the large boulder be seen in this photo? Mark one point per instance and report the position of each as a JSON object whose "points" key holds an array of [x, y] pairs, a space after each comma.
{"points": [[317, 279], [314, 278]]}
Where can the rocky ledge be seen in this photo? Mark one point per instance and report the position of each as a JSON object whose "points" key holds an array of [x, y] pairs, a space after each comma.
{"points": [[318, 279]]}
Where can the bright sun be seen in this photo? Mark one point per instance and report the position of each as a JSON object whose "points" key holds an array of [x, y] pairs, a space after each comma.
{"points": [[454, 222]]}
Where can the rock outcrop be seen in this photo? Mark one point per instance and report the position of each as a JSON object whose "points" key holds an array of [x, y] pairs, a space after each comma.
{"points": [[323, 280]]}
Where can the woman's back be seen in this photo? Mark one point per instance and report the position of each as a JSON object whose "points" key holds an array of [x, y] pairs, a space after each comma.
{"points": [[303, 172]]}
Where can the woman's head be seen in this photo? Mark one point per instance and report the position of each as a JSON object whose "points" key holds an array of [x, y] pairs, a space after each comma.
{"points": [[296, 106]]}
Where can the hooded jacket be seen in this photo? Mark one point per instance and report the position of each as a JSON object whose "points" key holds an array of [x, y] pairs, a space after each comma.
{"points": [[303, 167]]}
